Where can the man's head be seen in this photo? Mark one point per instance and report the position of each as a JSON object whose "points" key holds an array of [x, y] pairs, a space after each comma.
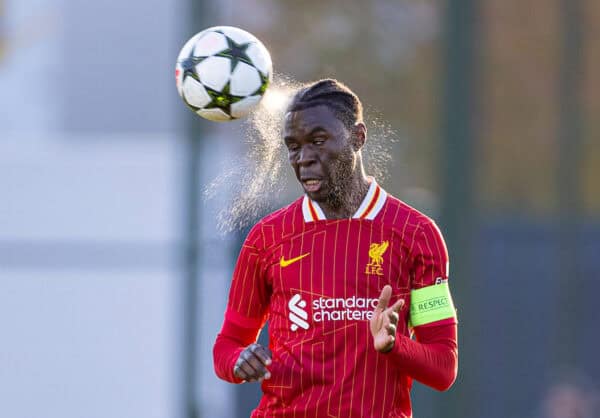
{"points": [[336, 96], [324, 134]]}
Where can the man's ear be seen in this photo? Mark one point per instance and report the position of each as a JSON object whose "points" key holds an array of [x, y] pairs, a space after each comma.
{"points": [[359, 136]]}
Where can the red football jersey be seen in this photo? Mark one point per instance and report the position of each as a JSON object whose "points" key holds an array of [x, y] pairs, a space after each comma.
{"points": [[317, 282]]}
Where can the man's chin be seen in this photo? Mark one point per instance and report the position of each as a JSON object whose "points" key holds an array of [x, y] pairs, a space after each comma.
{"points": [[318, 195], [315, 196]]}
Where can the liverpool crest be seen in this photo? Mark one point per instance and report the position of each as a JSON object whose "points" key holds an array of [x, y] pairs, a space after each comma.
{"points": [[376, 252]]}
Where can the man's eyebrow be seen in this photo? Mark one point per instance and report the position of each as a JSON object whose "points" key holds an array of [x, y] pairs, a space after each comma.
{"points": [[317, 129]]}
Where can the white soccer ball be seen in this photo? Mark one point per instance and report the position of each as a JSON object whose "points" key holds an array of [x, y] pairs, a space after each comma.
{"points": [[223, 72]]}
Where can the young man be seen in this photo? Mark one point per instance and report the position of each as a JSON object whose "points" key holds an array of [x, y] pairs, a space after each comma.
{"points": [[343, 275]]}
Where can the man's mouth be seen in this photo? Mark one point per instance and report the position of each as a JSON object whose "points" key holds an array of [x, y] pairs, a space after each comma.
{"points": [[311, 185]]}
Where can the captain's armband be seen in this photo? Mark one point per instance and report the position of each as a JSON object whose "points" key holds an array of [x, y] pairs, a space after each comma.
{"points": [[430, 304]]}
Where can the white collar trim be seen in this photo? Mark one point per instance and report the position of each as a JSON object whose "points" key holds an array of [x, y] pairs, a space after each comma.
{"points": [[368, 209]]}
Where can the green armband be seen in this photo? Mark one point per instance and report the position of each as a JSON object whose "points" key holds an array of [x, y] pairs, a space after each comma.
{"points": [[430, 304]]}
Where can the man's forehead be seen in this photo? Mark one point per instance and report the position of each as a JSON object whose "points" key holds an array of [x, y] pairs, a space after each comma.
{"points": [[311, 117]]}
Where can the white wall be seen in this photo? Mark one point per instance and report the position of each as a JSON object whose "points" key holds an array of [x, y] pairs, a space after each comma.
{"points": [[89, 316], [92, 170], [90, 212]]}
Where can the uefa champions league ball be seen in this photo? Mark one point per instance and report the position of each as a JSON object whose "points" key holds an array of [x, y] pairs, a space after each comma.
{"points": [[223, 72]]}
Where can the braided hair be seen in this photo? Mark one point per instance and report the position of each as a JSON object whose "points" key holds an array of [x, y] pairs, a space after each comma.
{"points": [[329, 92]]}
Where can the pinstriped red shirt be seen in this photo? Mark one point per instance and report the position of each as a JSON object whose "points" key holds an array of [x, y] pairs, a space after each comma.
{"points": [[317, 282]]}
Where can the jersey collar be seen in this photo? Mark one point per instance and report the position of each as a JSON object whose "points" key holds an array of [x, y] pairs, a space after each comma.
{"points": [[368, 209]]}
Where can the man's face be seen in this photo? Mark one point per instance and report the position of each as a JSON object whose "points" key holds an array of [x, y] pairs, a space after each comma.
{"points": [[320, 152]]}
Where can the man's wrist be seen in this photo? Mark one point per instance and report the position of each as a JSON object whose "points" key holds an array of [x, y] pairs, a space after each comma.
{"points": [[389, 349]]}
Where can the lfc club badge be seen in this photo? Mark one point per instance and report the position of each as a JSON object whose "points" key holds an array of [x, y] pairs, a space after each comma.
{"points": [[376, 252]]}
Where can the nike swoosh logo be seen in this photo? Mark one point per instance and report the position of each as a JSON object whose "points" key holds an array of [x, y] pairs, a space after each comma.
{"points": [[284, 263]]}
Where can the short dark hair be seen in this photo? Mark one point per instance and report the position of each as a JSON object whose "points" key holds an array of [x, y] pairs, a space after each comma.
{"points": [[331, 93]]}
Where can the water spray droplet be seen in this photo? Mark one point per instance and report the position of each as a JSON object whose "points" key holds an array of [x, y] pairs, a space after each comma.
{"points": [[256, 179]]}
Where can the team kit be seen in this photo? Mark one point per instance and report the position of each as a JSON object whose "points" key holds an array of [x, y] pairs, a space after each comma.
{"points": [[317, 282]]}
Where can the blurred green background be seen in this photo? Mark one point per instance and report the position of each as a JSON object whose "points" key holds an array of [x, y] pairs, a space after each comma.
{"points": [[113, 277]]}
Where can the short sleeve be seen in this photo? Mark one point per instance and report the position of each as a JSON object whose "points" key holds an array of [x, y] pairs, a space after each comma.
{"points": [[250, 291]]}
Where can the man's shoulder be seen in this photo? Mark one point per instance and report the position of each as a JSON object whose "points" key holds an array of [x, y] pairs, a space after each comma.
{"points": [[400, 212], [278, 220], [281, 215]]}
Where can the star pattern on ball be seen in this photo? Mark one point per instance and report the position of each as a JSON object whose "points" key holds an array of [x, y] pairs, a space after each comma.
{"points": [[264, 83], [188, 65], [235, 52], [222, 99]]}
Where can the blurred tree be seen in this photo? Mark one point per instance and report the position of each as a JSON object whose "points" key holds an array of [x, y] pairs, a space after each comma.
{"points": [[519, 107], [389, 52], [591, 110]]}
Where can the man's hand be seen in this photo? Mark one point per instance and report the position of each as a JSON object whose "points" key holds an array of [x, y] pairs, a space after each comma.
{"points": [[252, 363], [384, 321]]}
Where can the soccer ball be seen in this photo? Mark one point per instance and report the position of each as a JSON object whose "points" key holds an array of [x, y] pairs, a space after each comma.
{"points": [[223, 72]]}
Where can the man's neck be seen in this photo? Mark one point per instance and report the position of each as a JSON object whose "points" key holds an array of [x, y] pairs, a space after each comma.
{"points": [[349, 202]]}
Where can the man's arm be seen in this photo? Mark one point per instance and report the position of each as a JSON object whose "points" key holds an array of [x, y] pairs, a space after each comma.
{"points": [[236, 357], [432, 359]]}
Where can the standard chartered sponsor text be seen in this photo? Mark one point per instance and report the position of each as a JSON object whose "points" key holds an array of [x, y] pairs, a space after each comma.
{"points": [[340, 309]]}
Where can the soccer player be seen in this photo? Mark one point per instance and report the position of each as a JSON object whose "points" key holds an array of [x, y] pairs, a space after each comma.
{"points": [[344, 275]]}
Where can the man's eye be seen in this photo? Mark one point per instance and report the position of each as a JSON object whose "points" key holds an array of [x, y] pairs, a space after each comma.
{"points": [[319, 141], [293, 147]]}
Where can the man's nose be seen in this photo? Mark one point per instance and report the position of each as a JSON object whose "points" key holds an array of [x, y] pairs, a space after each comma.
{"points": [[307, 155]]}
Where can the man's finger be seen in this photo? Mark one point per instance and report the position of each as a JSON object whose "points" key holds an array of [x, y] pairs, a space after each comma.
{"points": [[261, 358], [259, 366], [238, 371], [384, 297], [263, 354], [247, 372], [251, 363], [396, 307]]}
